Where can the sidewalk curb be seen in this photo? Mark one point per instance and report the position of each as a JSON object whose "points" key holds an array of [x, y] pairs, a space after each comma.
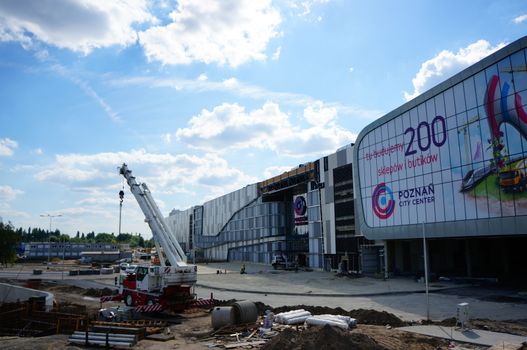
{"points": [[335, 295]]}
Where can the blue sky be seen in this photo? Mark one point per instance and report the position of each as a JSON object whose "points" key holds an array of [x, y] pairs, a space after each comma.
{"points": [[204, 97]]}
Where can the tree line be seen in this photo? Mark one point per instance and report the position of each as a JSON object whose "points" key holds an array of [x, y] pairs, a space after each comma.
{"points": [[11, 238], [40, 235]]}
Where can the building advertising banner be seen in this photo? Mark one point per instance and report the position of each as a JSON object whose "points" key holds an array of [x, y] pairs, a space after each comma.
{"points": [[300, 209], [459, 155]]}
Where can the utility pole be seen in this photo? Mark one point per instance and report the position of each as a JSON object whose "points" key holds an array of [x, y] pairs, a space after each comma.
{"points": [[63, 255], [425, 256], [49, 234]]}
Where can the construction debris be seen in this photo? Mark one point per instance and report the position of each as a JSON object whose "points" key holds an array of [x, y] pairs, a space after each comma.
{"points": [[243, 312], [292, 317], [28, 320], [344, 322], [105, 339]]}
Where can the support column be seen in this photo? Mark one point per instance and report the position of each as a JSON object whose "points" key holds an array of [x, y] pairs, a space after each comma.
{"points": [[468, 257]]}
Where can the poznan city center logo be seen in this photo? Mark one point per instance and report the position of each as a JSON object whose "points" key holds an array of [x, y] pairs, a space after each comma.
{"points": [[382, 201]]}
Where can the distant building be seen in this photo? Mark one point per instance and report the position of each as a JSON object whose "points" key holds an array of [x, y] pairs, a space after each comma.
{"points": [[45, 250], [100, 256]]}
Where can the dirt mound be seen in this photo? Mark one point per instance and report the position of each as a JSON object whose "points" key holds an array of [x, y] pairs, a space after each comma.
{"points": [[374, 317], [93, 292], [448, 322], [62, 288], [517, 327], [262, 308], [363, 316], [321, 338]]}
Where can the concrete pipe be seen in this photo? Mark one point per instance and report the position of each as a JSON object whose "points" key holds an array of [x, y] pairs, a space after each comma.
{"points": [[245, 312], [222, 316]]}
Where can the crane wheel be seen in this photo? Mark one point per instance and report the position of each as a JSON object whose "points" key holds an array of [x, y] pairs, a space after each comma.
{"points": [[128, 300]]}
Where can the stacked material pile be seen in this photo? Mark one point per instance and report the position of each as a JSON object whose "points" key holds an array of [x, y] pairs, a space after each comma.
{"points": [[292, 317], [344, 322], [301, 316]]}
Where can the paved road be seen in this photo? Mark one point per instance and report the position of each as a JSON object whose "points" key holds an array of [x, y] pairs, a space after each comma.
{"points": [[402, 297]]}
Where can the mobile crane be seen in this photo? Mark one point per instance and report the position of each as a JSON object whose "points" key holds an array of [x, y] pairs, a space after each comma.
{"points": [[169, 285]]}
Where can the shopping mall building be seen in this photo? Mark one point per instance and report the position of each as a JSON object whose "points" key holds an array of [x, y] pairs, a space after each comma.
{"points": [[447, 167], [306, 214]]}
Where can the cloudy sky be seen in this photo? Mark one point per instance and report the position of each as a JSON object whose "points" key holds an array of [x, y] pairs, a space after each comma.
{"points": [[204, 97]]}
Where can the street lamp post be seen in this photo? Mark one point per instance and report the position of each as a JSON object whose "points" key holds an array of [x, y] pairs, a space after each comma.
{"points": [[49, 234], [121, 198]]}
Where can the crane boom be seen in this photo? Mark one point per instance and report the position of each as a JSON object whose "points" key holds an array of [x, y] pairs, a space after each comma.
{"points": [[162, 234]]}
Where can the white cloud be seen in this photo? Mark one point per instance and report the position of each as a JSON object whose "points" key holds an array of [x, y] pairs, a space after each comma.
{"points": [[448, 63], [275, 170], [245, 90], [315, 141], [215, 31], [38, 151], [167, 138], [318, 114], [304, 7], [80, 26], [520, 19], [8, 193], [24, 168], [203, 77], [168, 173], [7, 147], [175, 181], [229, 126], [230, 83], [7, 212], [276, 54]]}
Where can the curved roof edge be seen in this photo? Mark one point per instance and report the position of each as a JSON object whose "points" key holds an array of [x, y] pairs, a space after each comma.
{"points": [[484, 226]]}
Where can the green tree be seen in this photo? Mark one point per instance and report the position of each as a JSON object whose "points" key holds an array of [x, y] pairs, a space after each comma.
{"points": [[141, 241], [104, 238], [124, 238], [150, 243], [9, 240]]}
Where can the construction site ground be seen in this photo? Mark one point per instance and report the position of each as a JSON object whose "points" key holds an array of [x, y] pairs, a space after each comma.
{"points": [[380, 307]]}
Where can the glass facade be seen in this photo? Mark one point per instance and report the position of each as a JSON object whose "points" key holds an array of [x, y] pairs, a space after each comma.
{"points": [[248, 226], [459, 155]]}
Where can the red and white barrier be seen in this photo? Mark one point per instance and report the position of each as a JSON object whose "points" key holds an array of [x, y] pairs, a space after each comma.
{"points": [[149, 308]]}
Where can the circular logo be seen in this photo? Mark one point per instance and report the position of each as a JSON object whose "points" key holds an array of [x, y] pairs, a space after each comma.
{"points": [[382, 201], [300, 205]]}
